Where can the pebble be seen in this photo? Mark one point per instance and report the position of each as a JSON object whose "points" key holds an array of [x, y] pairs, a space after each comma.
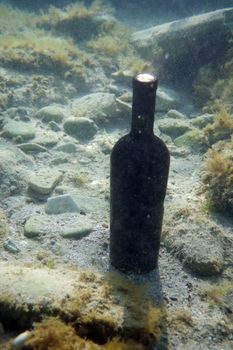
{"points": [[19, 341], [31, 147], [82, 229]]}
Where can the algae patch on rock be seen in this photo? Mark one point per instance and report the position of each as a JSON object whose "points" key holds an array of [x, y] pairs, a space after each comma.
{"points": [[90, 309]]}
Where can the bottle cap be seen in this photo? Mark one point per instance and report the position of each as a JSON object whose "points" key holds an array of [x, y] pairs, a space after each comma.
{"points": [[145, 78]]}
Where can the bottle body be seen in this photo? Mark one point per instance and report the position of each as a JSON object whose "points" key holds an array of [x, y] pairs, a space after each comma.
{"points": [[139, 171], [138, 181]]}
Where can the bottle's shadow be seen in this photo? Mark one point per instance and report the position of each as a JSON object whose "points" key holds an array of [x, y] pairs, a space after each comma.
{"points": [[143, 316]]}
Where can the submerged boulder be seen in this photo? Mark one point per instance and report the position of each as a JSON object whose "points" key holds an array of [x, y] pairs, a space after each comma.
{"points": [[181, 47]]}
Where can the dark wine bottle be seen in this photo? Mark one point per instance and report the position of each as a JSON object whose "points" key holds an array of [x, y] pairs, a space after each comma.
{"points": [[138, 182]]}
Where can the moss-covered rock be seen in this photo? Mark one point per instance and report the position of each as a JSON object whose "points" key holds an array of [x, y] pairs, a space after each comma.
{"points": [[173, 127], [194, 140], [196, 241]]}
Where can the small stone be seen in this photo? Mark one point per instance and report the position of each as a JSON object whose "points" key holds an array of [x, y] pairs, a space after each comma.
{"points": [[45, 181], [173, 113], [82, 229], [80, 128], [61, 204], [19, 342], [10, 246], [51, 113], [68, 147], [31, 148]]}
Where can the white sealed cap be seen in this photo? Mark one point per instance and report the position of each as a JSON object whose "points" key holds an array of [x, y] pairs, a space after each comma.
{"points": [[145, 78]]}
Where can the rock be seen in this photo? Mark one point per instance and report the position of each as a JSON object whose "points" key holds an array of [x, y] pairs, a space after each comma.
{"points": [[100, 107], [44, 181], [186, 44], [67, 147], [54, 126], [173, 113], [47, 138], [51, 113], [61, 204], [196, 242], [202, 120], [80, 128], [30, 294], [166, 100], [173, 127], [34, 227], [83, 228], [10, 246], [194, 140], [3, 224], [12, 172], [31, 148], [18, 130]]}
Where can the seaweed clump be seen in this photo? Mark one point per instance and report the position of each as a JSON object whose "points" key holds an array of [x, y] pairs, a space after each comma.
{"points": [[220, 129], [218, 177], [54, 334]]}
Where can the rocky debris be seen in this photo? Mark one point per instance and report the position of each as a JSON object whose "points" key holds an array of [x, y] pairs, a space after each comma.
{"points": [[61, 204], [173, 127], [81, 128], [80, 230], [44, 181], [19, 131], [186, 44], [100, 107], [50, 113], [196, 241], [203, 120]]}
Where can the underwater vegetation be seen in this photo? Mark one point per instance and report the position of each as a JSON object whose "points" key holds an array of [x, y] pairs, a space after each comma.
{"points": [[220, 129], [103, 312], [218, 177], [70, 43]]}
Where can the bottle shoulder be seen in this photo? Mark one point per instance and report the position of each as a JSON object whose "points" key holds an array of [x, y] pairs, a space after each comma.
{"points": [[150, 143]]}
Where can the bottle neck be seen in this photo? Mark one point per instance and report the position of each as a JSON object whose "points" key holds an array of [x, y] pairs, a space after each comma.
{"points": [[143, 108]]}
